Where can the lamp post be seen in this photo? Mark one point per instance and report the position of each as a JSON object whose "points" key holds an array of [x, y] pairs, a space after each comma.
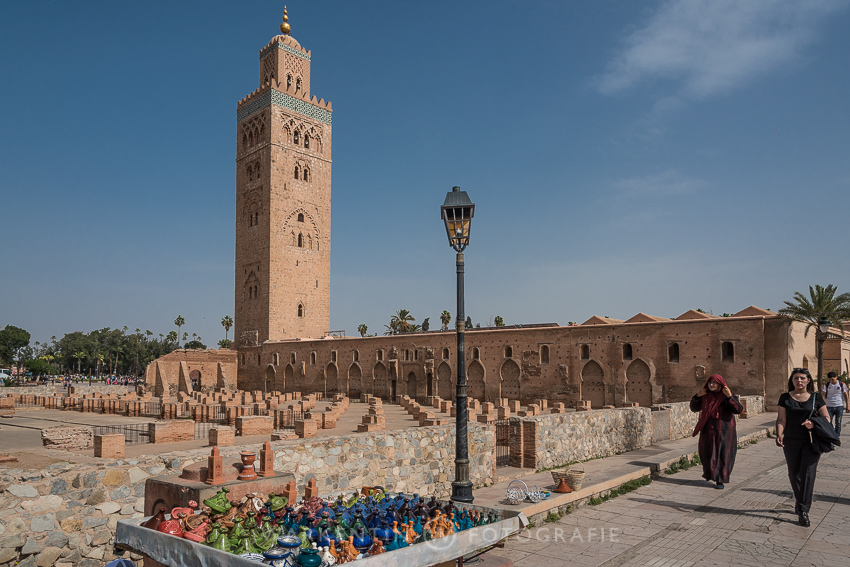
{"points": [[457, 212], [823, 329]]}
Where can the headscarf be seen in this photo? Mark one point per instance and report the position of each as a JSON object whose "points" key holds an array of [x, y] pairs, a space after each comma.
{"points": [[710, 403]]}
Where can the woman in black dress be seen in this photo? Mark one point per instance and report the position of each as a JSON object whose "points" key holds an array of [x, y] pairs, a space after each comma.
{"points": [[718, 439], [793, 434]]}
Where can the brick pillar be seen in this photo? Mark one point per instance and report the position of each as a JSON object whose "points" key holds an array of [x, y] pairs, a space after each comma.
{"points": [[529, 443], [110, 446]]}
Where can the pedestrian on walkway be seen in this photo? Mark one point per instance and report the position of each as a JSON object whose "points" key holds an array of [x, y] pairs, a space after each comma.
{"points": [[837, 400], [793, 434], [718, 438]]}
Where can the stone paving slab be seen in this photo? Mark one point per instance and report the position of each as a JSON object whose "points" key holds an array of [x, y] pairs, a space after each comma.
{"points": [[681, 520]]}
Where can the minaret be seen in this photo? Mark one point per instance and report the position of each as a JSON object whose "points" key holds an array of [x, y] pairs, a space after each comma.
{"points": [[283, 202]]}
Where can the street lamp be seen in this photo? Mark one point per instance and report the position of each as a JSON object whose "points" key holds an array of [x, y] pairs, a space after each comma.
{"points": [[457, 212], [823, 328]]}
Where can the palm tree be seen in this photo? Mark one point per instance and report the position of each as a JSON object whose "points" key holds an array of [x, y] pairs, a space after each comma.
{"points": [[171, 337], [445, 319], [499, 321], [227, 323], [180, 321], [822, 302], [400, 322], [79, 355], [362, 328]]}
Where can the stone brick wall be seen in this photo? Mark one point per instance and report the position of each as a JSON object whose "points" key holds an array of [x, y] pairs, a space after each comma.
{"points": [[34, 390], [104, 389], [171, 431], [412, 460], [683, 420], [557, 439], [510, 363], [67, 438]]}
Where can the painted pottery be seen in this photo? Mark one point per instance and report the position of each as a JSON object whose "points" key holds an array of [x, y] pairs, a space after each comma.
{"points": [[171, 527], [219, 503], [309, 558], [248, 470]]}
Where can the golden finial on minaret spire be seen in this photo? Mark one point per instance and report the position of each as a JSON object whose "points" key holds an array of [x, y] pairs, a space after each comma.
{"points": [[284, 27]]}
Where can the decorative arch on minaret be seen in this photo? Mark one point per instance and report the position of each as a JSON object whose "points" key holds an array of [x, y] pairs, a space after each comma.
{"points": [[299, 223]]}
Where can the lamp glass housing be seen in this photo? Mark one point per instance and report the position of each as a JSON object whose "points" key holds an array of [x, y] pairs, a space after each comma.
{"points": [[457, 212], [823, 324]]}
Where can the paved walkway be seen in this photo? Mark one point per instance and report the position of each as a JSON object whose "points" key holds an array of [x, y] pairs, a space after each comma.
{"points": [[681, 520]]}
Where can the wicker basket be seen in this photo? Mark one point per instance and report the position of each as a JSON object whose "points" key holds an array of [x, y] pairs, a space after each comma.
{"points": [[557, 475], [575, 477]]}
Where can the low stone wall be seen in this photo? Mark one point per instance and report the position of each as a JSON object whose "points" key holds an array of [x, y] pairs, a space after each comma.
{"points": [[556, 439], [67, 438], [683, 420], [34, 390], [411, 460], [105, 389]]}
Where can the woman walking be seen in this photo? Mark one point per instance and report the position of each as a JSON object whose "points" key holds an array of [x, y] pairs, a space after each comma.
{"points": [[718, 438], [793, 434]]}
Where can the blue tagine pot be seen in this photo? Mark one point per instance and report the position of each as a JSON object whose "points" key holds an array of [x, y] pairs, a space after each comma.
{"points": [[290, 543], [279, 557]]}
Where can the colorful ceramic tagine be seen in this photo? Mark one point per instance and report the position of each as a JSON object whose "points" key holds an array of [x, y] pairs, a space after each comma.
{"points": [[248, 470], [227, 519], [241, 545], [251, 503], [236, 533], [290, 543], [219, 503], [198, 534], [171, 527], [155, 520], [361, 540], [327, 558], [277, 503], [377, 547], [217, 538]]}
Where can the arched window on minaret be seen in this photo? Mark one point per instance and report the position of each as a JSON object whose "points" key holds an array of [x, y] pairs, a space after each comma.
{"points": [[307, 141], [288, 81], [297, 172], [296, 138], [262, 133], [257, 170], [300, 240], [250, 173], [309, 242], [300, 310], [300, 217], [251, 139], [298, 84], [306, 175]]}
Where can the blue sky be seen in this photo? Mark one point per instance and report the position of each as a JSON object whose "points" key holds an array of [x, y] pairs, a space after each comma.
{"points": [[623, 156]]}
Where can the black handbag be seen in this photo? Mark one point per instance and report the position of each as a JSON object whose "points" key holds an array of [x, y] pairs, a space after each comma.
{"points": [[823, 436]]}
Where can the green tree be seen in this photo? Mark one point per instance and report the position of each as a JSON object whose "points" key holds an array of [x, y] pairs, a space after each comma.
{"points": [[445, 319], [822, 301], [171, 337], [13, 341], [362, 329], [499, 321], [37, 366], [195, 344], [224, 343], [227, 323], [179, 322], [400, 322]]}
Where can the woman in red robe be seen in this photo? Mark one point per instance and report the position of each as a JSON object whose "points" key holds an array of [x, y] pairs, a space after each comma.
{"points": [[718, 439]]}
